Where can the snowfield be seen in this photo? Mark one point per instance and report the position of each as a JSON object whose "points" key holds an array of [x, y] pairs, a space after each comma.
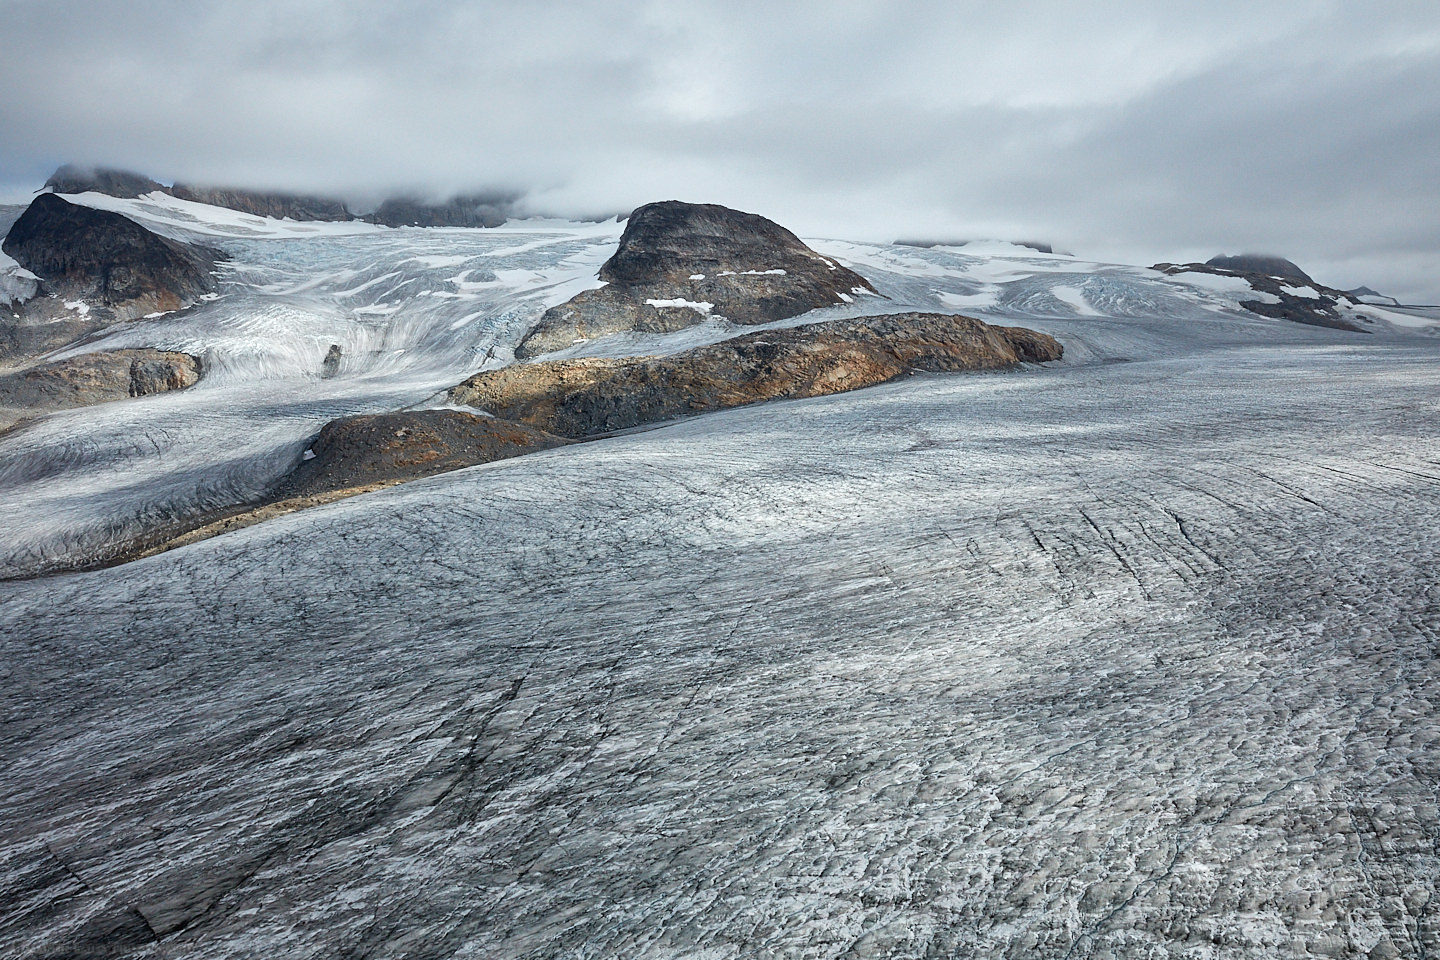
{"points": [[1133, 655]]}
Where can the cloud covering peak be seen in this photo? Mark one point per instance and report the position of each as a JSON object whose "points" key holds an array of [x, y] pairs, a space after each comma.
{"points": [[1123, 130]]}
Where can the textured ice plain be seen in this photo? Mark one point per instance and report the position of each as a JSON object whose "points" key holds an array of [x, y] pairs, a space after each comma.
{"points": [[1106, 659]]}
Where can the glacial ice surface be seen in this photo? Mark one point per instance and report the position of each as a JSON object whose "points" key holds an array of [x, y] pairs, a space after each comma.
{"points": [[1133, 655]]}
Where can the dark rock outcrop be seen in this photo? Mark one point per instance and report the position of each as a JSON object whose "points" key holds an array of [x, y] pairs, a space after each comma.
{"points": [[1368, 295], [107, 260], [1288, 298], [363, 450], [1036, 245], [276, 205], [678, 263], [70, 178], [1260, 263], [470, 210], [581, 398], [94, 378], [331, 364]]}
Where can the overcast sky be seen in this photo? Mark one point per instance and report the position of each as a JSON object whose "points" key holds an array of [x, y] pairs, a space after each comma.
{"points": [[1132, 131]]}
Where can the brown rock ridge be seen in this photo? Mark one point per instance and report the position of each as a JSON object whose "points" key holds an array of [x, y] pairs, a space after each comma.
{"points": [[679, 263], [93, 378], [354, 451], [582, 398], [543, 405], [356, 455]]}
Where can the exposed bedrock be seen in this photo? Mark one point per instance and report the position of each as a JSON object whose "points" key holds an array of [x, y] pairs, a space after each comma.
{"points": [[106, 260], [351, 456], [581, 398], [679, 263], [1284, 291], [1270, 266], [470, 210], [73, 178], [275, 204], [94, 378], [362, 450]]}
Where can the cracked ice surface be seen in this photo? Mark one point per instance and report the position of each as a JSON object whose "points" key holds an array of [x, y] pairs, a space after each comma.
{"points": [[1106, 659]]}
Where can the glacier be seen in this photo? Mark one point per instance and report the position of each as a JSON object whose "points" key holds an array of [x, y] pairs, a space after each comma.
{"points": [[1132, 655]]}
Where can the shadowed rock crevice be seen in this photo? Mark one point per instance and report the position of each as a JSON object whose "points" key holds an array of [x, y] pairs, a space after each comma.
{"points": [[581, 398], [680, 263]]}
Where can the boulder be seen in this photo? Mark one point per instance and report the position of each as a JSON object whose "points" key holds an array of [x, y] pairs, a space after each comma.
{"points": [[106, 260], [680, 263], [585, 397]]}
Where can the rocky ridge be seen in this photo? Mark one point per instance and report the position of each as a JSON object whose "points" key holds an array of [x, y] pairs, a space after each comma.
{"points": [[585, 397], [1270, 266], [678, 264], [1287, 295], [93, 378], [355, 455], [72, 178], [466, 210], [277, 205]]}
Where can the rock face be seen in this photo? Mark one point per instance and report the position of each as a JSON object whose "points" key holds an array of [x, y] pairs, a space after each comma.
{"points": [[364, 450], [1260, 263], [278, 206], [679, 263], [94, 378], [70, 178], [107, 260], [582, 398], [472, 210], [331, 364], [1280, 297]]}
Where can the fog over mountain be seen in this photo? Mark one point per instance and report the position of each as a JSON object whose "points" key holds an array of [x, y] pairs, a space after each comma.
{"points": [[1131, 131]]}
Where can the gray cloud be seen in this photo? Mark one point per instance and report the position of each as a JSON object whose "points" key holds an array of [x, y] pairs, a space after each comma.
{"points": [[1126, 130]]}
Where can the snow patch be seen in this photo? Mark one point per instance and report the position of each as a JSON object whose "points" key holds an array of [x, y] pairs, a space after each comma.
{"points": [[1074, 297], [702, 306]]}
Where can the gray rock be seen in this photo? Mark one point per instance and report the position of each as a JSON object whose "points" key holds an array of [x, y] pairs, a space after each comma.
{"points": [[1265, 264], [71, 178], [274, 204], [331, 364]]}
